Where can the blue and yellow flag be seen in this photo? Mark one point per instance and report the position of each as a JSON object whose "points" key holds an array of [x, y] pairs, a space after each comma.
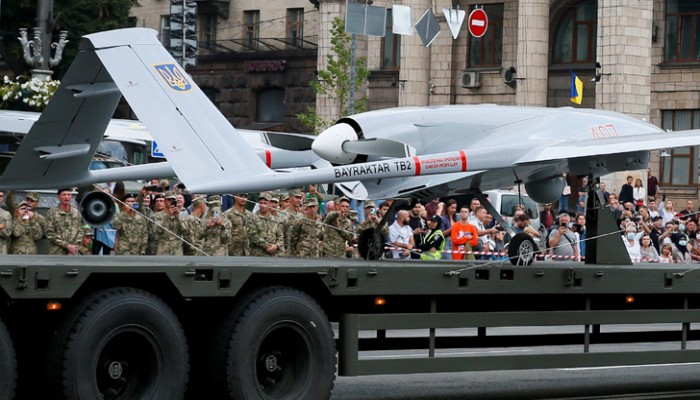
{"points": [[576, 89]]}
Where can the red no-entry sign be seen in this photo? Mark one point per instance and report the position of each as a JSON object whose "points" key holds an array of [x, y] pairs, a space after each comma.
{"points": [[478, 22]]}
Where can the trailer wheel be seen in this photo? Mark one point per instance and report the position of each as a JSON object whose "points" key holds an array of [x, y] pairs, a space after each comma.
{"points": [[120, 343], [8, 364], [279, 345], [522, 249]]}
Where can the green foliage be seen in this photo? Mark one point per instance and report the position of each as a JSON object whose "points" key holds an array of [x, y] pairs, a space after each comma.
{"points": [[78, 17], [26, 95], [334, 81]]}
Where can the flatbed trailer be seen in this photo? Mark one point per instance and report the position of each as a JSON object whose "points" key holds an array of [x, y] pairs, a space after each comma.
{"points": [[160, 327]]}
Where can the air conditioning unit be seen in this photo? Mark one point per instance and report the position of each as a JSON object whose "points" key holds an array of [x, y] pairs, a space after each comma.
{"points": [[471, 79]]}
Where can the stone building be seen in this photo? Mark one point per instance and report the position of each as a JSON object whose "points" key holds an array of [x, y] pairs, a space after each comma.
{"points": [[646, 49]]}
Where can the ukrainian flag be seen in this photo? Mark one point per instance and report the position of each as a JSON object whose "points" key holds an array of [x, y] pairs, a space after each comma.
{"points": [[576, 89]]}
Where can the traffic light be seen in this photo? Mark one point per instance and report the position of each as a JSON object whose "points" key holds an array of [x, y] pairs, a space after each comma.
{"points": [[183, 31]]}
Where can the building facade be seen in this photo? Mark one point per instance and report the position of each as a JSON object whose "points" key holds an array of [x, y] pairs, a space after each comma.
{"points": [[256, 59]]}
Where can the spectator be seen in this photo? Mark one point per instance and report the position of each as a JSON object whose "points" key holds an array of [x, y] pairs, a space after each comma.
{"points": [[666, 256], [681, 249], [432, 207], [666, 213], [582, 197], [449, 217], [85, 247], [434, 241], [627, 192], [638, 193], [464, 237], [64, 226], [657, 228], [615, 208], [418, 225], [647, 250], [631, 239], [485, 242], [547, 216], [216, 230], [651, 206], [653, 187], [241, 218], [194, 227], [562, 241], [169, 228], [401, 236], [606, 194], [473, 205], [688, 213]]}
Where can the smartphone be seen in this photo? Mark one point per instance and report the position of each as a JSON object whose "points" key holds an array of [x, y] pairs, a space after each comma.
{"points": [[173, 202], [216, 213]]}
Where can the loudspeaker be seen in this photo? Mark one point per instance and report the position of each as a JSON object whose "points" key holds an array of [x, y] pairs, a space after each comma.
{"points": [[97, 208]]}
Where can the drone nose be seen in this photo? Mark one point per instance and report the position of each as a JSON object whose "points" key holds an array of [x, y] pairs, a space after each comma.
{"points": [[329, 144]]}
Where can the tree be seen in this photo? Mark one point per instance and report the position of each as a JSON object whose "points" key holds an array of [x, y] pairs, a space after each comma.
{"points": [[334, 81], [78, 17]]}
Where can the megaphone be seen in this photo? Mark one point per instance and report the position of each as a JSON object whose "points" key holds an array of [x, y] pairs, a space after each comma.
{"points": [[97, 208]]}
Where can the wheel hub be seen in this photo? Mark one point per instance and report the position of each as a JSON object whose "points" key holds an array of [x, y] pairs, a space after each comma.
{"points": [[271, 364], [115, 369]]}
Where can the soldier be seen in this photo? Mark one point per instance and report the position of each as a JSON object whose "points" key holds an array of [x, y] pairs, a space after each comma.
{"points": [[338, 231], [132, 229], [25, 230], [63, 226], [85, 247], [169, 229], [194, 227], [270, 234], [144, 207], [306, 233], [240, 219], [32, 201], [216, 231], [5, 230], [292, 214]]}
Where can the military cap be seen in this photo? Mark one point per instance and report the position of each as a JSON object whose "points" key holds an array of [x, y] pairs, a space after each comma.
{"points": [[198, 200], [266, 195], [297, 193], [352, 214], [311, 202], [33, 196], [170, 195], [22, 204], [214, 201], [370, 204], [275, 197], [341, 199], [284, 196], [88, 231]]}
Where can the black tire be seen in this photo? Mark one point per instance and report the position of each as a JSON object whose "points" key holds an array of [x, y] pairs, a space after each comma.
{"points": [[8, 364], [120, 343], [278, 344], [522, 249]]}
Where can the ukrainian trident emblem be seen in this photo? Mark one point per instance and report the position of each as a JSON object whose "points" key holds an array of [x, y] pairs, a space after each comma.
{"points": [[174, 77]]}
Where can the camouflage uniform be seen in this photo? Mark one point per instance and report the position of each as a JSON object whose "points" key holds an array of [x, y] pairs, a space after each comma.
{"points": [[194, 229], [85, 249], [152, 242], [34, 197], [132, 234], [168, 230], [6, 232], [25, 235], [269, 231], [63, 228], [336, 238], [305, 236], [240, 235], [216, 238]]}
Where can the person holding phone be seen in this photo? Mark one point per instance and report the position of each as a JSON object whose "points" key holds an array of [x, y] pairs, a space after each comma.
{"points": [[169, 228], [562, 241]]}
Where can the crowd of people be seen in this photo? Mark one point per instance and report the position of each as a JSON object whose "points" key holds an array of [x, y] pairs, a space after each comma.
{"points": [[160, 220]]}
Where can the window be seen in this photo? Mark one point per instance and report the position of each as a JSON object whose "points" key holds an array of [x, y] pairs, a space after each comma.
{"points": [[681, 169], [575, 36], [295, 26], [270, 105], [391, 46], [487, 51], [207, 30], [165, 30], [251, 28], [682, 31]]}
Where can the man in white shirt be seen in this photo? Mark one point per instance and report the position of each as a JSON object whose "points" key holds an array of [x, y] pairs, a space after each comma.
{"points": [[401, 236]]}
